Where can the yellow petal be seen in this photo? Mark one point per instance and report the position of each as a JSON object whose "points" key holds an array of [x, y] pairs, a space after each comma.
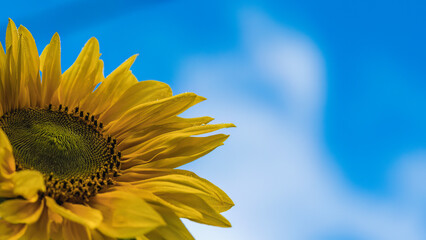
{"points": [[16, 68], [143, 134], [169, 181], [174, 228], [11, 81], [145, 238], [78, 213], [178, 154], [186, 191], [6, 189], [50, 66], [7, 161], [137, 94], [4, 82], [55, 224], [151, 112], [186, 151], [40, 230], [21, 210], [21, 76], [72, 231], [12, 37], [96, 235], [28, 184], [2, 53], [4, 141], [2, 78], [125, 215], [175, 148], [81, 78], [1, 92], [152, 199], [110, 89], [30, 69], [185, 205], [190, 201], [9, 231]]}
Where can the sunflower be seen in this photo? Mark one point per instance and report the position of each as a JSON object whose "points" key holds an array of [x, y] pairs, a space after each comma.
{"points": [[88, 157]]}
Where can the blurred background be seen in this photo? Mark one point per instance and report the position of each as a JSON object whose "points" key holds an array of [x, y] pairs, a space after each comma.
{"points": [[328, 96]]}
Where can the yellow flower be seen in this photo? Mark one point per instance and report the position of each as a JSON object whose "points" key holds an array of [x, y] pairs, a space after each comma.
{"points": [[84, 162]]}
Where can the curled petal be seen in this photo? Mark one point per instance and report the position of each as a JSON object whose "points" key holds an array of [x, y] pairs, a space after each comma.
{"points": [[28, 184], [21, 210]]}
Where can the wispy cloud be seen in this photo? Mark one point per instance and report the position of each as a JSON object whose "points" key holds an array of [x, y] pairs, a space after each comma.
{"points": [[276, 166]]}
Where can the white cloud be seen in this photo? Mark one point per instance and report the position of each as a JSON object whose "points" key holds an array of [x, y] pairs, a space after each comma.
{"points": [[275, 165]]}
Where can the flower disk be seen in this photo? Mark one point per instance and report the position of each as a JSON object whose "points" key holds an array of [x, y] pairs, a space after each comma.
{"points": [[83, 156], [74, 157]]}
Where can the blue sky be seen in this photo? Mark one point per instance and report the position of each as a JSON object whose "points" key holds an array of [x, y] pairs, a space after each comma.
{"points": [[328, 97]]}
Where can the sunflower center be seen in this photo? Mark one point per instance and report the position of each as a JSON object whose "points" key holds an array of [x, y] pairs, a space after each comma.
{"points": [[67, 148]]}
